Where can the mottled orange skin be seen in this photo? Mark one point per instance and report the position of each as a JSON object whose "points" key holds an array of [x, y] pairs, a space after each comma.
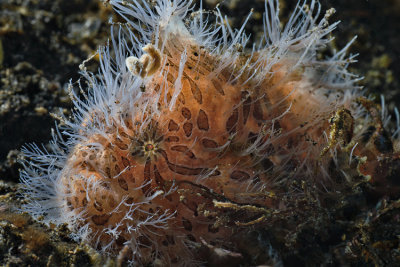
{"points": [[196, 147]]}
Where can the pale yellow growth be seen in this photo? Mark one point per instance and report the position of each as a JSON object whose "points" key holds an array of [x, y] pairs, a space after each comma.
{"points": [[234, 206], [342, 127], [147, 64]]}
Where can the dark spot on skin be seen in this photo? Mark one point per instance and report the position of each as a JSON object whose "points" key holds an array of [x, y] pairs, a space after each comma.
{"points": [[257, 111], [100, 219], [183, 149], [180, 148], [187, 128], [120, 241], [208, 143], [215, 173], [218, 87], [173, 126], [202, 121], [191, 205], [122, 183], [232, 122], [290, 143], [277, 125], [129, 201], [187, 225], [124, 134], [266, 164], [195, 90], [120, 144], [186, 113], [190, 154], [179, 169], [105, 185], [185, 170], [125, 161], [240, 176], [108, 172], [111, 202], [171, 139], [117, 169], [169, 97], [251, 137], [170, 78]]}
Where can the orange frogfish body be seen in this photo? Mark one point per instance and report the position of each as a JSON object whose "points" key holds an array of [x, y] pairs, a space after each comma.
{"points": [[196, 139]]}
